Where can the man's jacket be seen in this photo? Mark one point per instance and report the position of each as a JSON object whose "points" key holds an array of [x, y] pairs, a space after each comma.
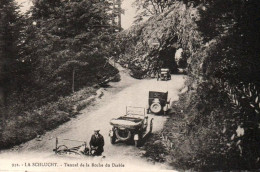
{"points": [[97, 141]]}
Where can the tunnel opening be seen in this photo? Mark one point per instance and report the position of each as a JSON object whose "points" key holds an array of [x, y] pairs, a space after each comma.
{"points": [[167, 60]]}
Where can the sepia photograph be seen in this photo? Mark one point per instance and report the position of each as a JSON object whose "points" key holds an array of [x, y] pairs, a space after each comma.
{"points": [[129, 85]]}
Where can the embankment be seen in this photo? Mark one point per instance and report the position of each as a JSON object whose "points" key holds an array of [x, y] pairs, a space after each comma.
{"points": [[34, 121]]}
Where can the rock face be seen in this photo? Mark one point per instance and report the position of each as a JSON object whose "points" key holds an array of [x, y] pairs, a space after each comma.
{"points": [[150, 45]]}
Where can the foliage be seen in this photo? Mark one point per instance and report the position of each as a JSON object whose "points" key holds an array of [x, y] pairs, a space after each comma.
{"points": [[228, 69], [151, 45], [57, 44], [71, 32], [220, 40], [10, 42], [147, 8], [27, 125], [65, 37]]}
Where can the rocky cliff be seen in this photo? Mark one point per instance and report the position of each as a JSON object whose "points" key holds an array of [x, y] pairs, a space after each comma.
{"points": [[152, 44]]}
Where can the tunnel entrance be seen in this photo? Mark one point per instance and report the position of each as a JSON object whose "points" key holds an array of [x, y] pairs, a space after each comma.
{"points": [[167, 59]]}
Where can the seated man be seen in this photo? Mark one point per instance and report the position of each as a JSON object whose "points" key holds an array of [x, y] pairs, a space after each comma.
{"points": [[97, 143]]}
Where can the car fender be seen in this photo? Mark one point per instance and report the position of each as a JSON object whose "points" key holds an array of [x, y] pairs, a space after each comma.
{"points": [[111, 133], [165, 108]]}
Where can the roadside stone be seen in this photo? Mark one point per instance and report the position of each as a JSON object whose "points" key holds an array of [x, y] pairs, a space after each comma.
{"points": [[38, 138]]}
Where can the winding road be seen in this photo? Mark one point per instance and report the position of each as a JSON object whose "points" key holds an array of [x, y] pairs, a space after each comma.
{"points": [[127, 92]]}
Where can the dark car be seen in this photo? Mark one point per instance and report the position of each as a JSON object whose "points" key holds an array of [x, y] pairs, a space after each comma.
{"points": [[164, 74], [158, 102]]}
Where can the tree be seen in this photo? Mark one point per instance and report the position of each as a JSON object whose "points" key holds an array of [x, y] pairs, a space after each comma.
{"points": [[9, 45], [63, 36], [148, 8], [45, 9]]}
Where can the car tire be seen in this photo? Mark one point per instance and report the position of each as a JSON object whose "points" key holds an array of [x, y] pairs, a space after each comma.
{"points": [[123, 138], [155, 108]]}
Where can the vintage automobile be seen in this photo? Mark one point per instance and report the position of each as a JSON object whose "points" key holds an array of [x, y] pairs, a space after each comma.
{"points": [[131, 127], [164, 74], [158, 102]]}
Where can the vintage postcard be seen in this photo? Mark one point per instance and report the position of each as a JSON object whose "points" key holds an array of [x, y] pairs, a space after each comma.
{"points": [[129, 85]]}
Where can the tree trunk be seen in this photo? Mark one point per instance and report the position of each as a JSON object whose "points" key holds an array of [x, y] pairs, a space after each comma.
{"points": [[73, 78]]}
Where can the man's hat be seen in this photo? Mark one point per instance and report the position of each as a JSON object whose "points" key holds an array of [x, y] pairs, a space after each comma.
{"points": [[96, 130]]}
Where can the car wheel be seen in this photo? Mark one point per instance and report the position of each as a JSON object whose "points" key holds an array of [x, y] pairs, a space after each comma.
{"points": [[156, 107], [123, 135]]}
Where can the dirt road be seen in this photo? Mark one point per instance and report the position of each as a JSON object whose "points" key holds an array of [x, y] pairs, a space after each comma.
{"points": [[127, 92]]}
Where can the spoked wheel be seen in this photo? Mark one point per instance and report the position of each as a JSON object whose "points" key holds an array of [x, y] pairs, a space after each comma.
{"points": [[61, 149], [74, 150], [64, 149]]}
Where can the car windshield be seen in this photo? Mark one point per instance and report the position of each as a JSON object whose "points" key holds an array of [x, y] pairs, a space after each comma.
{"points": [[130, 118]]}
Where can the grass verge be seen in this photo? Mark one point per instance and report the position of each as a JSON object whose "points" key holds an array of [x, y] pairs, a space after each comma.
{"points": [[29, 125]]}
